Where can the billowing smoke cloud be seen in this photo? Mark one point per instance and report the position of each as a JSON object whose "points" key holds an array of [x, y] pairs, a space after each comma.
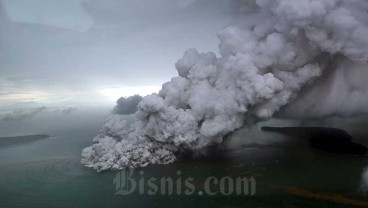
{"points": [[126, 106], [273, 51], [342, 91], [19, 115]]}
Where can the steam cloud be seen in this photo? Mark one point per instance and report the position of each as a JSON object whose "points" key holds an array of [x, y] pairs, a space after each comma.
{"points": [[271, 57], [126, 106]]}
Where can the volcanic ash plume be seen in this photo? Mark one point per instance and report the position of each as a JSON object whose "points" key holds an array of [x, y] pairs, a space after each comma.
{"points": [[275, 49], [126, 106]]}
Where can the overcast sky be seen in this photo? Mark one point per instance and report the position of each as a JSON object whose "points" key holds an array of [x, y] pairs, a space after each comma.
{"points": [[86, 52]]}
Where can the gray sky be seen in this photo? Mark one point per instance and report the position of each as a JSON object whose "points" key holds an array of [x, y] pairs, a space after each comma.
{"points": [[89, 52]]}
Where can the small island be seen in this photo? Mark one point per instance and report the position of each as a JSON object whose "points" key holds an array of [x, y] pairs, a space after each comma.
{"points": [[16, 140]]}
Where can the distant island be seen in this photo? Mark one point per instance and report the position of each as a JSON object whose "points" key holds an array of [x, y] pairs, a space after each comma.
{"points": [[8, 141]]}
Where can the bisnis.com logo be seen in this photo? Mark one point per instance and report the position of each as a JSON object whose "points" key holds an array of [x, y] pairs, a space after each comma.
{"points": [[128, 182]]}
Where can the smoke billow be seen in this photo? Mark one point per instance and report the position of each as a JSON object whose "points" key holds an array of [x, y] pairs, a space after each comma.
{"points": [[342, 91], [126, 106], [274, 53]]}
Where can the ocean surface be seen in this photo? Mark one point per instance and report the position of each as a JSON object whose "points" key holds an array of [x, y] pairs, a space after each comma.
{"points": [[48, 173]]}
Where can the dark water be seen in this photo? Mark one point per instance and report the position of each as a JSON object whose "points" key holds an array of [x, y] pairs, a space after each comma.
{"points": [[47, 173]]}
